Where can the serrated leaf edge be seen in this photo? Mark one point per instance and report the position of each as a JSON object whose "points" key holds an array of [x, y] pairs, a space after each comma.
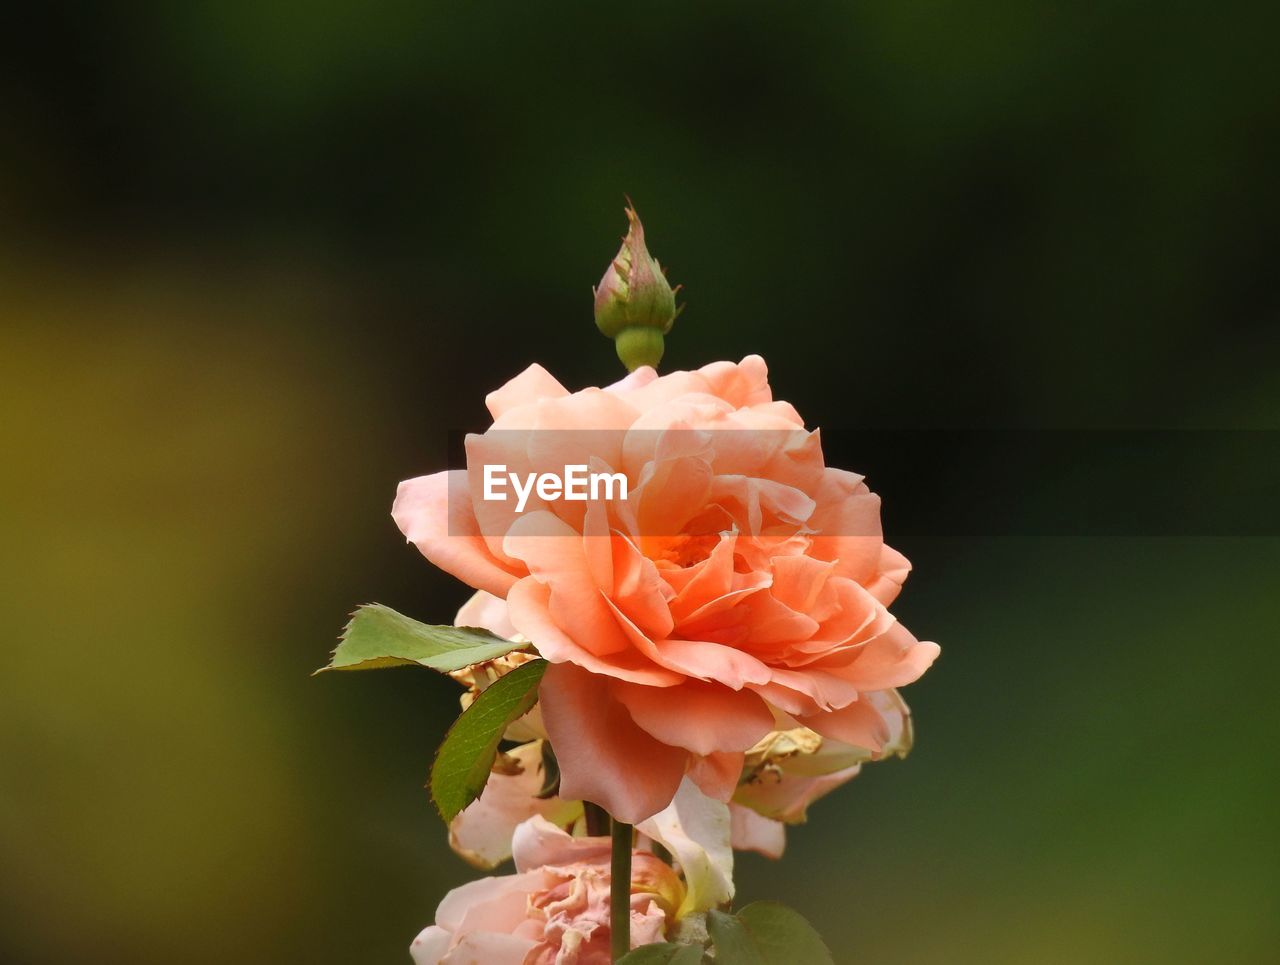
{"points": [[477, 702]]}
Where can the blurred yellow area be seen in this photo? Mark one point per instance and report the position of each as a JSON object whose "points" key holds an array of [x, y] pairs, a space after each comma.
{"points": [[173, 479]]}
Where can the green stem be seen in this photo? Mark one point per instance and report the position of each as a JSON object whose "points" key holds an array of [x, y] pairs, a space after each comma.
{"points": [[620, 891]]}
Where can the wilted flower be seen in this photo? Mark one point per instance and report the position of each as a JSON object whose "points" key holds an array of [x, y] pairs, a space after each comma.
{"points": [[553, 911]]}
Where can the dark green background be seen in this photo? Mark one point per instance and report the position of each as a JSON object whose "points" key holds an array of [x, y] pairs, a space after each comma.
{"points": [[257, 259]]}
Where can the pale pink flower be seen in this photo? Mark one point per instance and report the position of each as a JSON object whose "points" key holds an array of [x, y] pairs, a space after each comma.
{"points": [[553, 911]]}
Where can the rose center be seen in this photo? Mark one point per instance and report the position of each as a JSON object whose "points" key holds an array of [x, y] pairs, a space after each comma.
{"points": [[685, 549]]}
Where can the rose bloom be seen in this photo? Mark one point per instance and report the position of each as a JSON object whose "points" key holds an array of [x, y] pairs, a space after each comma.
{"points": [[742, 586], [553, 911]]}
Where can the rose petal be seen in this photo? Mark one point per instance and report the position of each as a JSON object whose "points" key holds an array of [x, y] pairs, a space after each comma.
{"points": [[604, 756], [529, 386], [537, 842], [788, 799], [695, 829], [488, 612], [556, 558], [704, 718], [453, 909], [859, 724], [893, 659], [434, 513], [430, 946], [491, 949], [755, 832], [717, 774], [528, 604], [482, 832]]}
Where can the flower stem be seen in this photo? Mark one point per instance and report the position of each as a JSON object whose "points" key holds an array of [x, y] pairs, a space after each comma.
{"points": [[620, 891]]}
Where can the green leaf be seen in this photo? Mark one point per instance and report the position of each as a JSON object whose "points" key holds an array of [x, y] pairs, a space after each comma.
{"points": [[378, 636], [663, 953], [732, 940], [766, 933], [463, 761]]}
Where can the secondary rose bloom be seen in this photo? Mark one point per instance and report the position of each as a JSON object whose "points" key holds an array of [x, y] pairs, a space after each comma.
{"points": [[553, 911], [742, 586]]}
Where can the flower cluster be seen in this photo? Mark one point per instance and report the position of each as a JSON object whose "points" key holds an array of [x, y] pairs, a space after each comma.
{"points": [[719, 650]]}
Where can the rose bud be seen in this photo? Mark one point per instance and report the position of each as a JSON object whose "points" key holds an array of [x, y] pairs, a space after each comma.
{"points": [[635, 306]]}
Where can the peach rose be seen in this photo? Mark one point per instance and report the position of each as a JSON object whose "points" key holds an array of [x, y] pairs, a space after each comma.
{"points": [[741, 582], [553, 911]]}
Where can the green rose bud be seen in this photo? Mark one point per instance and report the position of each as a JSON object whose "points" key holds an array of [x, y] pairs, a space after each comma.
{"points": [[634, 304]]}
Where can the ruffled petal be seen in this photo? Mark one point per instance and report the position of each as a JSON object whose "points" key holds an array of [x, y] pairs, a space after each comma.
{"points": [[491, 948], [531, 385], [714, 661], [704, 718], [893, 659], [788, 799], [528, 603], [741, 384], [755, 832], [696, 830], [482, 833], [717, 774], [859, 724], [557, 558], [537, 843], [431, 945], [453, 909], [604, 756], [488, 612], [435, 514]]}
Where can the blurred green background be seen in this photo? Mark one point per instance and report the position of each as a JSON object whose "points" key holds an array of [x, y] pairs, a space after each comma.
{"points": [[256, 260]]}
